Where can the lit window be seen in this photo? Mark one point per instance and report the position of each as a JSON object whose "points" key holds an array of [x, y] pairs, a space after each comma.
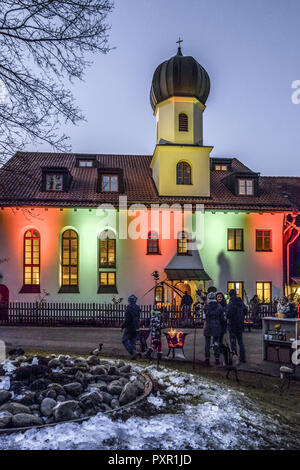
{"points": [[54, 182], [183, 123], [159, 294], [109, 183], [107, 279], [32, 258], [70, 258], [182, 243], [263, 240], [238, 286], [235, 240], [246, 187], [85, 163], [183, 173], [153, 243], [221, 167], [264, 292], [107, 251]]}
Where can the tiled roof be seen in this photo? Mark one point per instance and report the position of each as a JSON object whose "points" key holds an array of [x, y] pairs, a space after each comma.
{"points": [[20, 184], [288, 186]]}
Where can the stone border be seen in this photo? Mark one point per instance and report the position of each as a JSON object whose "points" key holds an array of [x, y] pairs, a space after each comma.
{"points": [[147, 391]]}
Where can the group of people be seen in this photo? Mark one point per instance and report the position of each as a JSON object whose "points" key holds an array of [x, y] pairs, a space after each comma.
{"points": [[218, 317]]}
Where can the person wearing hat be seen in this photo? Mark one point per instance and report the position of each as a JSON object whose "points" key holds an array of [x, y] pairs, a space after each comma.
{"points": [[214, 316], [235, 313], [156, 325], [131, 326]]}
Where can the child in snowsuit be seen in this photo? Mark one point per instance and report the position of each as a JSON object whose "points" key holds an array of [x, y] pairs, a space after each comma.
{"points": [[156, 325]]}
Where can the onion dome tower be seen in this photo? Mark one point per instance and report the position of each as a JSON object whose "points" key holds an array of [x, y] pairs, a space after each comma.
{"points": [[179, 90]]}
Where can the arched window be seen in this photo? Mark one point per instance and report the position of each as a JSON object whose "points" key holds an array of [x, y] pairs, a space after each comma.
{"points": [[32, 258], [107, 249], [183, 173], [69, 258], [183, 123], [153, 243], [182, 243], [159, 294]]}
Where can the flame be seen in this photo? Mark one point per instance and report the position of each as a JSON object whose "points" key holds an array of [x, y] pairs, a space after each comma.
{"points": [[175, 338]]}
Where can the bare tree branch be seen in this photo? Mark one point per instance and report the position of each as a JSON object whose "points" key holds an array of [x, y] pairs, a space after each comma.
{"points": [[43, 44]]}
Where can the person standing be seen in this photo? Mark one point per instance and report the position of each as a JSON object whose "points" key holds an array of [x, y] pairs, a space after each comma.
{"points": [[286, 309], [186, 305], [131, 326], [212, 327], [156, 325], [222, 302], [236, 311]]}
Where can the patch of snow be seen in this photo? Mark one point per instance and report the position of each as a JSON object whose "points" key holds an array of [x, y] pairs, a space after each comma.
{"points": [[192, 413]]}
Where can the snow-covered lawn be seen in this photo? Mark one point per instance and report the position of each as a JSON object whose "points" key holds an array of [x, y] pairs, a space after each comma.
{"points": [[188, 412]]}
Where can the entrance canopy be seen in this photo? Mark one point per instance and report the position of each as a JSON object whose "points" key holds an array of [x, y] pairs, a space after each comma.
{"points": [[186, 268]]}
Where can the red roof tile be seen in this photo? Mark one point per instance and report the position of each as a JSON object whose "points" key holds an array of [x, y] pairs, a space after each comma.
{"points": [[20, 184]]}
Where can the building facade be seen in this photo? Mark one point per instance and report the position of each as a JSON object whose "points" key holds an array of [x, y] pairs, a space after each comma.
{"points": [[90, 228]]}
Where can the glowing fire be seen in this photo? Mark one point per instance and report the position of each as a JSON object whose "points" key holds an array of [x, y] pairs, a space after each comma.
{"points": [[175, 338]]}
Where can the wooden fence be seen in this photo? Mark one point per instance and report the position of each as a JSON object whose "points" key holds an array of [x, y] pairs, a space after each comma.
{"points": [[94, 314]]}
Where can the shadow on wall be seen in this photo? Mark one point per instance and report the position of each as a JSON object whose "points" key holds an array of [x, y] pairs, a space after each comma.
{"points": [[225, 271]]}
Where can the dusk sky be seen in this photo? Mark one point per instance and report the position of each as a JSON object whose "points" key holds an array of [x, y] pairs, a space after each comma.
{"points": [[250, 49]]}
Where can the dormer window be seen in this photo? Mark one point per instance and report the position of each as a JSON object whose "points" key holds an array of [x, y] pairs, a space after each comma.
{"points": [[110, 183], [220, 167], [245, 187], [54, 182], [56, 179], [183, 123], [85, 164]]}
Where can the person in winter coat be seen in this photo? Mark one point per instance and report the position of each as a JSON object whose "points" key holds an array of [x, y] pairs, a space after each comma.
{"points": [[236, 311], [131, 326], [254, 308], [222, 301], [214, 316], [156, 325]]}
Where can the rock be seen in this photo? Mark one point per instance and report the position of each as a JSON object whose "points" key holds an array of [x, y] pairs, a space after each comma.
{"points": [[106, 378], [80, 377], [30, 373], [16, 387], [113, 371], [91, 400], [5, 419], [35, 407], [21, 420], [126, 368], [115, 388], [4, 396], [98, 370], [105, 407], [120, 364], [54, 364], [39, 385], [129, 393], [51, 393], [74, 388], [67, 410], [47, 406], [114, 403], [100, 387], [107, 397], [58, 388], [15, 408], [60, 378], [93, 360], [28, 399], [60, 398]]}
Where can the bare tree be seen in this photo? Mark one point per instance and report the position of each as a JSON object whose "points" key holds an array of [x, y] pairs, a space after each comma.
{"points": [[43, 45]]}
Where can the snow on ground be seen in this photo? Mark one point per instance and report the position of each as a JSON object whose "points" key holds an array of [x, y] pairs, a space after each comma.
{"points": [[189, 412]]}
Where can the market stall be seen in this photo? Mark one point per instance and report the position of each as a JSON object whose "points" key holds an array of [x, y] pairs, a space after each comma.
{"points": [[279, 335]]}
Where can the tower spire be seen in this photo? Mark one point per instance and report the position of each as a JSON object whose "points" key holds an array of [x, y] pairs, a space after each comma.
{"points": [[179, 52]]}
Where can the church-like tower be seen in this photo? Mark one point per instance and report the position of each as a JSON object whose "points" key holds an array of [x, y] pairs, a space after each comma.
{"points": [[180, 164]]}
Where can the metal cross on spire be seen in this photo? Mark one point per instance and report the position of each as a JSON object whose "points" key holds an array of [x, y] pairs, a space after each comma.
{"points": [[179, 52]]}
